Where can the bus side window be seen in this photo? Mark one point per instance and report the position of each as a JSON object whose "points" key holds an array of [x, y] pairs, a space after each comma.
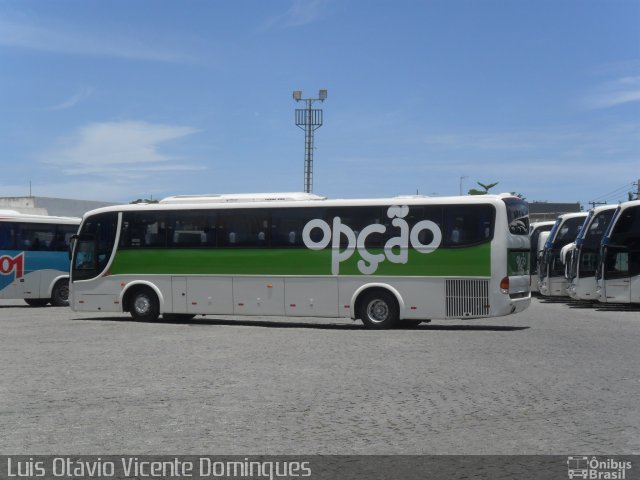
{"points": [[7, 236], [467, 225]]}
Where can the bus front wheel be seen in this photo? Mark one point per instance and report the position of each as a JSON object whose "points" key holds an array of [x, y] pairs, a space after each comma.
{"points": [[378, 309], [60, 294], [144, 305]]}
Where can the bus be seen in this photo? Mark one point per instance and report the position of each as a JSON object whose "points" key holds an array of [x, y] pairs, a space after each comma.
{"points": [[388, 262], [34, 257], [619, 269], [551, 270], [585, 257], [535, 229]]}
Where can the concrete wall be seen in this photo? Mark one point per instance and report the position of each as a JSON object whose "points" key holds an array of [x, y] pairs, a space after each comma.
{"points": [[63, 207]]}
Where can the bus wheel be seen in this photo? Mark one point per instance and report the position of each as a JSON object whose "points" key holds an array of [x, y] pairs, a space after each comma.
{"points": [[378, 309], [37, 302], [144, 305], [60, 294]]}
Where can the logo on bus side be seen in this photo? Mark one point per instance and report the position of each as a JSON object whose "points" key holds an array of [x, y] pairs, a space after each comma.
{"points": [[9, 265], [368, 264]]}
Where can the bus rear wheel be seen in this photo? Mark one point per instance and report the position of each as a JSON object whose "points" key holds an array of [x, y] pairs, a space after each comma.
{"points": [[60, 294], [378, 309], [144, 305]]}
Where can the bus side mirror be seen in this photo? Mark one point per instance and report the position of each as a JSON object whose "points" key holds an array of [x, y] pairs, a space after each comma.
{"points": [[72, 242]]}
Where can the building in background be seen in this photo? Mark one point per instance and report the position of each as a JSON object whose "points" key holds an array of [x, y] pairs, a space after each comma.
{"points": [[62, 207], [540, 211]]}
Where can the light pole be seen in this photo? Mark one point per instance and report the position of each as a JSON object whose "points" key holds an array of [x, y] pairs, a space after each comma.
{"points": [[309, 119], [462, 177]]}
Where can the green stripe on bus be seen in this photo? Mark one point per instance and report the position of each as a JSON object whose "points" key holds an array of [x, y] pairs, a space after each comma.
{"points": [[459, 262]]}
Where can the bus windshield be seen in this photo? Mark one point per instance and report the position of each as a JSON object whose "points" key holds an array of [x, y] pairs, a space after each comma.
{"points": [[517, 215], [93, 246]]}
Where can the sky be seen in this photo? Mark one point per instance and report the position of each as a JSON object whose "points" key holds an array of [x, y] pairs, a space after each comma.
{"points": [[119, 100]]}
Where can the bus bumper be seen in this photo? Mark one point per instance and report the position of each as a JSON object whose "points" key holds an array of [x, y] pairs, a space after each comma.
{"points": [[520, 304]]}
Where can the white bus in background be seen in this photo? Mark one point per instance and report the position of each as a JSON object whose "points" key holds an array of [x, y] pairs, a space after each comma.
{"points": [[585, 257], [34, 257], [551, 270], [535, 230], [619, 269], [386, 262]]}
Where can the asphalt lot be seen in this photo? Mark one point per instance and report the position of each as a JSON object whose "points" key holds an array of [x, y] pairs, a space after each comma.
{"points": [[556, 379]]}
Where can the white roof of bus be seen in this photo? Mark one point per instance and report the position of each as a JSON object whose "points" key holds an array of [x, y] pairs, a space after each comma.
{"points": [[265, 200], [14, 216], [566, 216], [632, 203]]}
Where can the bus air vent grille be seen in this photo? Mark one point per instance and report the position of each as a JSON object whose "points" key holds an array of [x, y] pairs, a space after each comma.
{"points": [[467, 298]]}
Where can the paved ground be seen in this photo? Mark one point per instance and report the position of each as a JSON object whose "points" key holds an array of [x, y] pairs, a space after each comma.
{"points": [[555, 379]]}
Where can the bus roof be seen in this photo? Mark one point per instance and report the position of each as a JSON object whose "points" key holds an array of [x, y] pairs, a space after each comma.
{"points": [[241, 197], [14, 216], [284, 200]]}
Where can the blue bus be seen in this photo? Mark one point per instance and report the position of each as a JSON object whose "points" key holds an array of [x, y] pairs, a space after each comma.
{"points": [[34, 257]]}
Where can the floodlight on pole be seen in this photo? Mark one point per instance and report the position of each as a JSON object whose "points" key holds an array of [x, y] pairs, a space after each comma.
{"points": [[309, 119]]}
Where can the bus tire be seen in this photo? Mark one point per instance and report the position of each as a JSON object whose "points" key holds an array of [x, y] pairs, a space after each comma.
{"points": [[37, 302], [378, 309], [144, 305], [60, 294]]}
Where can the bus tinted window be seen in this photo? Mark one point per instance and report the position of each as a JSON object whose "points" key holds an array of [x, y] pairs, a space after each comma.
{"points": [[195, 228], [287, 225], [357, 218], [568, 231], [35, 236], [517, 216], [102, 229], [143, 230], [625, 242], [7, 236], [62, 237], [626, 230], [243, 228], [466, 225], [597, 228]]}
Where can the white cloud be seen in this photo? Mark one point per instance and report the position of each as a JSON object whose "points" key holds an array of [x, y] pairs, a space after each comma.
{"points": [[617, 92], [65, 39], [122, 149], [72, 101], [301, 12]]}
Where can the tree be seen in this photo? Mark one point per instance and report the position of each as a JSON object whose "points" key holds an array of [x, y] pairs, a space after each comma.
{"points": [[486, 187]]}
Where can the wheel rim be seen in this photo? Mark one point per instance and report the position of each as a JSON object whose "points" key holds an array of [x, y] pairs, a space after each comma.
{"points": [[378, 311], [63, 293], [142, 305]]}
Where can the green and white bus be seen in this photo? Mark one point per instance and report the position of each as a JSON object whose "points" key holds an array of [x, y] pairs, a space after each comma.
{"points": [[385, 261]]}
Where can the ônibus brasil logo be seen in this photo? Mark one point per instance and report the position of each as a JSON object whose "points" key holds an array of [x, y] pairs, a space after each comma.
{"points": [[369, 261], [9, 265]]}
